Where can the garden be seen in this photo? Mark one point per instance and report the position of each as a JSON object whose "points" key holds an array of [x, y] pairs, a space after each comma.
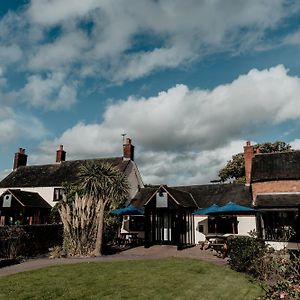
{"points": [[171, 278], [258, 272]]}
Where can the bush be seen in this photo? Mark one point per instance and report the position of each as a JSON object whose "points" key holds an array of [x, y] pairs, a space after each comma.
{"points": [[280, 274], [12, 241], [28, 240], [243, 250], [277, 271]]}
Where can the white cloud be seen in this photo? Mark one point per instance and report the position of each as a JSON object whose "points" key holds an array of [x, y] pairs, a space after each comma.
{"points": [[292, 38], [51, 93], [102, 35], [10, 54], [188, 167], [144, 63], [60, 54], [72, 40], [188, 134], [47, 12], [14, 125], [295, 144], [4, 173]]}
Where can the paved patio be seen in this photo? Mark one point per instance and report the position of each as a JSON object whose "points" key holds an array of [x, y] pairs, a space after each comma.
{"points": [[138, 253]]}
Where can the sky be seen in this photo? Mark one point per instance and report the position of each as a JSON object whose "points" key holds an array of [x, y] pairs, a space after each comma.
{"points": [[189, 81]]}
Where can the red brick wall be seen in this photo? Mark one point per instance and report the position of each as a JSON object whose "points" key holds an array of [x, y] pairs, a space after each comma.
{"points": [[248, 155], [278, 186]]}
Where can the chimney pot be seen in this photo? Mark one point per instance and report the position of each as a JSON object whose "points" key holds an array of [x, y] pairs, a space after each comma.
{"points": [[20, 158], [60, 154], [248, 155], [128, 150]]}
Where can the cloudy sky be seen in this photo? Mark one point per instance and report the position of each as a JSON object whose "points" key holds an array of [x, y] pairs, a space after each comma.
{"points": [[188, 81]]}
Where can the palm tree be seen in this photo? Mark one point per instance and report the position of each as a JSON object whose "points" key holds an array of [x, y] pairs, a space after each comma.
{"points": [[107, 187]]}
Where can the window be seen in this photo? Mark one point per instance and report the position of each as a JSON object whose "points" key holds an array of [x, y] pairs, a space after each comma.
{"points": [[200, 228], [136, 223], [280, 225], [58, 194], [223, 224], [161, 199]]}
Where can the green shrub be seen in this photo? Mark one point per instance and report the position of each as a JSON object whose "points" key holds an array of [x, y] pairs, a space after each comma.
{"points": [[28, 240], [12, 241], [279, 272], [243, 250]]}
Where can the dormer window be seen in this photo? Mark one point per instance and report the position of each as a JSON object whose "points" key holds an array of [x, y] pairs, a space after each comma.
{"points": [[58, 194]]}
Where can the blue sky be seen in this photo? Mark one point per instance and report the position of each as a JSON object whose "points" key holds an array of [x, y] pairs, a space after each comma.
{"points": [[188, 81]]}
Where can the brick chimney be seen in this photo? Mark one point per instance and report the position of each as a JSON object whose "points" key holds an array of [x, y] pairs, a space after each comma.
{"points": [[20, 158], [128, 150], [248, 155], [60, 154]]}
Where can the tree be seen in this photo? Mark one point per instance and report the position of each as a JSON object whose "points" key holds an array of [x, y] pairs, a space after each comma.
{"points": [[78, 218], [70, 192], [107, 187], [235, 168]]}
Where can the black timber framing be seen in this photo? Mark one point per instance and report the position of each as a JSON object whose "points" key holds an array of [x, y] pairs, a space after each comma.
{"points": [[173, 225]]}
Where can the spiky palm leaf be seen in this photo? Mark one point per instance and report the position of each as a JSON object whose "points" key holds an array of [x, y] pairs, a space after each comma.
{"points": [[103, 182], [107, 186]]}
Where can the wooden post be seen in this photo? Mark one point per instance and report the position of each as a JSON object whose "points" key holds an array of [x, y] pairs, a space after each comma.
{"points": [[147, 228]]}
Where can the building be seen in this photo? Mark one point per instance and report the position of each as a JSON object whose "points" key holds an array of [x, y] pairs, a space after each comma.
{"points": [[47, 180], [272, 187], [275, 184], [21, 207], [169, 213]]}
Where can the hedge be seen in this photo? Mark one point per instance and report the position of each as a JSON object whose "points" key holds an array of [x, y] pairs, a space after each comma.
{"points": [[29, 240]]}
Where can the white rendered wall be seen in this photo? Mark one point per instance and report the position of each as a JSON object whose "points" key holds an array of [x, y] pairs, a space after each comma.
{"points": [[283, 245], [202, 220], [125, 228], [246, 224], [134, 179], [132, 173]]}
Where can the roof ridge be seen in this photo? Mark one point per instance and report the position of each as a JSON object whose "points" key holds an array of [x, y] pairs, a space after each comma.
{"points": [[208, 184], [69, 161], [276, 152], [171, 188]]}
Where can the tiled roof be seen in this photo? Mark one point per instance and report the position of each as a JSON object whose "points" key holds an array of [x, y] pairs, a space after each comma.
{"points": [[143, 196], [54, 174], [185, 199], [203, 195], [208, 194], [29, 199], [276, 166], [278, 200]]}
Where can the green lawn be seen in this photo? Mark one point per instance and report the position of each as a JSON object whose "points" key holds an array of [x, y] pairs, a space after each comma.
{"points": [[171, 278]]}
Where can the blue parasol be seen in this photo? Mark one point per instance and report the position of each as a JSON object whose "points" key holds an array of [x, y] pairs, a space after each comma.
{"points": [[204, 211], [232, 207], [129, 210]]}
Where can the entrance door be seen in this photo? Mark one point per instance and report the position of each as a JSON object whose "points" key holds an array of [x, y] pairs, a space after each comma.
{"points": [[165, 227]]}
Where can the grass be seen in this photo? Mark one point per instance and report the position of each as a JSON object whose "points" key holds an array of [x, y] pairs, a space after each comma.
{"points": [[171, 278]]}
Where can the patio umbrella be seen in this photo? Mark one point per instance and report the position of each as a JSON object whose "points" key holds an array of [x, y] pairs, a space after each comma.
{"points": [[232, 207], [204, 211], [129, 210]]}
